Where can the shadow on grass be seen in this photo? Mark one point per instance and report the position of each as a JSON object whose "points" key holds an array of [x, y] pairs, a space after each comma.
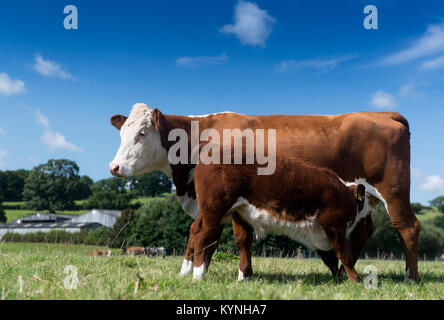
{"points": [[311, 278], [322, 278], [424, 277]]}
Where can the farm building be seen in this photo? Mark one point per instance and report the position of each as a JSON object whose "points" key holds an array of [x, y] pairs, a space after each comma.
{"points": [[45, 222], [104, 217]]}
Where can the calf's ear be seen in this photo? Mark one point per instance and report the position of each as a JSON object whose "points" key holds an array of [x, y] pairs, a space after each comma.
{"points": [[118, 121]]}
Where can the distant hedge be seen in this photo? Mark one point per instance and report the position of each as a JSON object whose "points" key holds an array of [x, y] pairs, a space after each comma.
{"points": [[97, 237]]}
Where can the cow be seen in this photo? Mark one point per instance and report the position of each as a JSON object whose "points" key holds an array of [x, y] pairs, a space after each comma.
{"points": [[368, 148], [157, 251], [102, 253], [135, 251], [309, 204]]}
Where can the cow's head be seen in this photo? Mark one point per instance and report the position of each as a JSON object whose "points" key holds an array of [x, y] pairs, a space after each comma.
{"points": [[140, 149]]}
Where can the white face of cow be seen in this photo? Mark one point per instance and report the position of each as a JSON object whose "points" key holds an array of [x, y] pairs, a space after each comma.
{"points": [[140, 148]]}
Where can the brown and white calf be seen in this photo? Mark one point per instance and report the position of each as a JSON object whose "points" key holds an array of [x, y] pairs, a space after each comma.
{"points": [[309, 204], [370, 148]]}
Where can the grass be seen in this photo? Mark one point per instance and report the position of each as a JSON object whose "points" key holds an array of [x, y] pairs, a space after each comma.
{"points": [[36, 271]]}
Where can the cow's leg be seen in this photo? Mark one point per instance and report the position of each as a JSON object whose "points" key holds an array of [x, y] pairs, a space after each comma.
{"points": [[330, 259], [407, 226], [206, 235], [359, 236], [187, 265], [243, 237]]}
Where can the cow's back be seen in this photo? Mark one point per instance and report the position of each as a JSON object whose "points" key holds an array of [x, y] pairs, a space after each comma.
{"points": [[353, 145]]}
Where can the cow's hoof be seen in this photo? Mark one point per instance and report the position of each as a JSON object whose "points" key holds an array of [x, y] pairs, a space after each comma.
{"points": [[187, 267], [241, 276]]}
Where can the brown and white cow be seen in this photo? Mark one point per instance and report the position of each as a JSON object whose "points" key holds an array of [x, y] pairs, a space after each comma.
{"points": [[135, 251], [369, 148], [102, 253], [309, 204]]}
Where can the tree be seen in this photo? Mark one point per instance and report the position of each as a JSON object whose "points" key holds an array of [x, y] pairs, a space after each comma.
{"points": [[52, 186], [417, 207], [2, 212], [15, 182], [110, 194], [161, 222], [150, 184], [438, 202], [85, 188]]}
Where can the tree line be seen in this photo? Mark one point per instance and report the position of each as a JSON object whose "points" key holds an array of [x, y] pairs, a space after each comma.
{"points": [[56, 185]]}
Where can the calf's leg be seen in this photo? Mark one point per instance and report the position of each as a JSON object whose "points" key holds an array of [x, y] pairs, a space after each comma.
{"points": [[336, 234], [331, 260], [359, 236], [243, 237], [187, 265]]}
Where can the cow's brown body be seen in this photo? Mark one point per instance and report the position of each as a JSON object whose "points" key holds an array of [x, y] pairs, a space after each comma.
{"points": [[366, 145]]}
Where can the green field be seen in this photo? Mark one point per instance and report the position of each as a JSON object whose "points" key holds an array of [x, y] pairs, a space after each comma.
{"points": [[36, 271]]}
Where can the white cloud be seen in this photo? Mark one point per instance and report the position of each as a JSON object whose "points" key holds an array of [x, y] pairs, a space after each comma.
{"points": [[42, 119], [432, 42], [320, 64], [433, 183], [50, 69], [55, 140], [433, 64], [252, 25], [9, 86], [199, 62], [3, 155], [383, 100]]}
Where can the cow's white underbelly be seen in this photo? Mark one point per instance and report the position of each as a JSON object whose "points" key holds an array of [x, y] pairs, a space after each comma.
{"points": [[307, 232]]}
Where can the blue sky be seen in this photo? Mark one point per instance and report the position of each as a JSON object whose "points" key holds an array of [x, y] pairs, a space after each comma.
{"points": [[59, 87]]}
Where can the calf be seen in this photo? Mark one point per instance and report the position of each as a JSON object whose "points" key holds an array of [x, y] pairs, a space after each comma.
{"points": [[103, 253], [309, 204]]}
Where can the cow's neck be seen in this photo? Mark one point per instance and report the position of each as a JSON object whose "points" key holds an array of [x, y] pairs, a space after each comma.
{"points": [[182, 174]]}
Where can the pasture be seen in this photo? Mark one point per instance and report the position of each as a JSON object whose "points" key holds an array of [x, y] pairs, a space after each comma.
{"points": [[36, 271]]}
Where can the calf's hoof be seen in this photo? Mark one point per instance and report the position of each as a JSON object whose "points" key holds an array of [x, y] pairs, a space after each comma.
{"points": [[187, 267], [199, 272]]}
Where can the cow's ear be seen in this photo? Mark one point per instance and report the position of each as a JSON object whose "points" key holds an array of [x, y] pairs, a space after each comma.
{"points": [[360, 192], [157, 118], [118, 121]]}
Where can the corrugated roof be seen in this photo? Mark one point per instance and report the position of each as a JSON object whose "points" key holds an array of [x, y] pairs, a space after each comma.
{"points": [[45, 225]]}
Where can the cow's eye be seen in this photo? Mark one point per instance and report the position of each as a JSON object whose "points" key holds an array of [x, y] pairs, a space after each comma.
{"points": [[142, 133]]}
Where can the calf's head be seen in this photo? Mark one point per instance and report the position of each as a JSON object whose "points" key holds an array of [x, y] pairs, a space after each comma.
{"points": [[358, 191], [140, 149]]}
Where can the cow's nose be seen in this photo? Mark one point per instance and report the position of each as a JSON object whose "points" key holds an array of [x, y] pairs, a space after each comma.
{"points": [[114, 168]]}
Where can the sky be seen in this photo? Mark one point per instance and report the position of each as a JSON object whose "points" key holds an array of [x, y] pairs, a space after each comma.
{"points": [[59, 87]]}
